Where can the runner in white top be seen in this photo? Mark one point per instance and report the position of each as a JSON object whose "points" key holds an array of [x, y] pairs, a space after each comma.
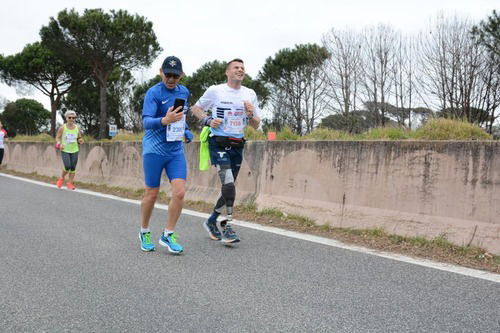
{"points": [[3, 135], [231, 107], [227, 104]]}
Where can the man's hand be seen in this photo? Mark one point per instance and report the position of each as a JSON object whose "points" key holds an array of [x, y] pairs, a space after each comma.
{"points": [[188, 136], [214, 123], [172, 116], [248, 109]]}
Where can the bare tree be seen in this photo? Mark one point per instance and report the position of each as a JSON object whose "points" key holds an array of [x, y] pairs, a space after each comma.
{"points": [[404, 76], [379, 52], [343, 70], [458, 72]]}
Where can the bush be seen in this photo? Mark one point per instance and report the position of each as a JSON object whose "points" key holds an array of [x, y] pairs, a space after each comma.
{"points": [[254, 134], [287, 134], [44, 137], [327, 134], [448, 129], [129, 136], [385, 133]]}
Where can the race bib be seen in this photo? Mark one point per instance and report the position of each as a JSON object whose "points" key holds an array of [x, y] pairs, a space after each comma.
{"points": [[234, 121], [70, 138], [175, 131]]}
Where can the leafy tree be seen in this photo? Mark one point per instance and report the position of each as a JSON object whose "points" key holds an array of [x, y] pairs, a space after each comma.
{"points": [[39, 67], [85, 100], [488, 33], [209, 74], [106, 42], [25, 116], [297, 86], [137, 99], [354, 122]]}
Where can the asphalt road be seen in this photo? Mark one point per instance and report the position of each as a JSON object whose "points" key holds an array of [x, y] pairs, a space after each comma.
{"points": [[71, 262]]}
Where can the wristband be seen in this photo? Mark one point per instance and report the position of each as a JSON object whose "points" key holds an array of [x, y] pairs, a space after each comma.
{"points": [[206, 121]]}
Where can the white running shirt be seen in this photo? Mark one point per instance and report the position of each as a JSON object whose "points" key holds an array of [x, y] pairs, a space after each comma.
{"points": [[2, 134], [226, 103]]}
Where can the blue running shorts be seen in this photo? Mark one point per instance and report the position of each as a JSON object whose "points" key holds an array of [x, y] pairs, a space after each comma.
{"points": [[175, 166]]}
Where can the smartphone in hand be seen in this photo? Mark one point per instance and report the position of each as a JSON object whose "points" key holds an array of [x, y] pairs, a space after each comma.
{"points": [[179, 102]]}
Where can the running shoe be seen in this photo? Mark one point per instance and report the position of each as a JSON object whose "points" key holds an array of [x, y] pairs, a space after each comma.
{"points": [[228, 234], [170, 242], [146, 243], [70, 186], [213, 232], [60, 182]]}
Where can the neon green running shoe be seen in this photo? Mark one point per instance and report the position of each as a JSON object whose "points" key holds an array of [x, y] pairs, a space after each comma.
{"points": [[170, 242], [146, 243]]}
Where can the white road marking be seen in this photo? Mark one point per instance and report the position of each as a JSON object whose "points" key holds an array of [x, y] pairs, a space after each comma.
{"points": [[311, 238]]}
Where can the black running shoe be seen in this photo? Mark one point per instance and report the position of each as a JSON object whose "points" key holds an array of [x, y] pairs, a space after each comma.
{"points": [[213, 232], [228, 234]]}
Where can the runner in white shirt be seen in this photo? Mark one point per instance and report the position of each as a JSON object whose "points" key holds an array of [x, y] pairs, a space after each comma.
{"points": [[231, 107], [3, 135]]}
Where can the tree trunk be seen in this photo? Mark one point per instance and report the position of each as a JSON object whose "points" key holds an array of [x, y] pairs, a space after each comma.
{"points": [[53, 114], [103, 118]]}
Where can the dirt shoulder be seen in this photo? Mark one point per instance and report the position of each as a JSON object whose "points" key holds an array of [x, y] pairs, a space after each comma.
{"points": [[438, 249]]}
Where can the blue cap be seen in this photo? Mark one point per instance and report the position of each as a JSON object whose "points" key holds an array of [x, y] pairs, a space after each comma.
{"points": [[172, 65]]}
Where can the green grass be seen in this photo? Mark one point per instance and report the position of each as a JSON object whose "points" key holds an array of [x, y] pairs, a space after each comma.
{"points": [[375, 232], [271, 212], [385, 133], [253, 134], [434, 129], [448, 129], [247, 208], [302, 220], [286, 134], [33, 138], [128, 137], [321, 134]]}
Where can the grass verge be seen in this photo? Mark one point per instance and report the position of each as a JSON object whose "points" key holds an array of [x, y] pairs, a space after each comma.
{"points": [[438, 249]]}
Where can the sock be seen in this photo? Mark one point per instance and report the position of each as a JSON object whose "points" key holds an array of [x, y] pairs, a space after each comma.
{"points": [[213, 217], [144, 230], [167, 232]]}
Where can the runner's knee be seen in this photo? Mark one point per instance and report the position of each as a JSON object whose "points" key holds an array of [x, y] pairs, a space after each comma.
{"points": [[151, 194], [178, 193]]}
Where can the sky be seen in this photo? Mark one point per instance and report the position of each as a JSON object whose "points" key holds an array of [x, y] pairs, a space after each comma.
{"points": [[199, 31]]}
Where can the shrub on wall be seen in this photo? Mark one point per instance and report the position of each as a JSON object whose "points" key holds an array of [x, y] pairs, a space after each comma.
{"points": [[448, 129]]}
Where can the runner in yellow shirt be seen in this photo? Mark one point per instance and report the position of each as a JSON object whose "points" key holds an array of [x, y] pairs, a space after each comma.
{"points": [[68, 138]]}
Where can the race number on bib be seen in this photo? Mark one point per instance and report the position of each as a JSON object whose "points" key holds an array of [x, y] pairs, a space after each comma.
{"points": [[234, 122], [70, 138], [175, 131]]}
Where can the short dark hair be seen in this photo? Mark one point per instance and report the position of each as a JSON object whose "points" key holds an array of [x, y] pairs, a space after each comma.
{"points": [[234, 60]]}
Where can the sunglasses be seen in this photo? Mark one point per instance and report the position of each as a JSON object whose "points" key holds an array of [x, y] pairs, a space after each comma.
{"points": [[71, 117], [175, 76]]}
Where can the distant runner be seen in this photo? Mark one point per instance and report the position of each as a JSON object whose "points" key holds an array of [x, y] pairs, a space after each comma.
{"points": [[3, 135], [68, 138]]}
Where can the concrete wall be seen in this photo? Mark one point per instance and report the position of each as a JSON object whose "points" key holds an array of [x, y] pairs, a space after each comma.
{"points": [[408, 188]]}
